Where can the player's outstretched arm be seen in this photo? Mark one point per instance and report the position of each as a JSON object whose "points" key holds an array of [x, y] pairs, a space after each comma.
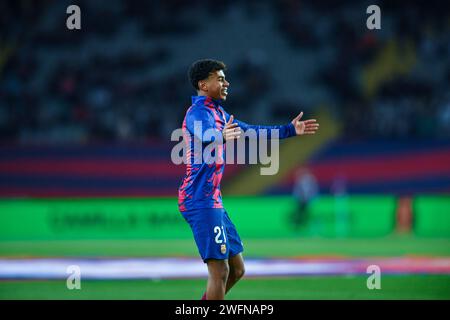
{"points": [[234, 128], [305, 127]]}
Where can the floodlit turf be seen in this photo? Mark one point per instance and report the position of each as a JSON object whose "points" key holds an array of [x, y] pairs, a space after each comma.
{"points": [[308, 287], [389, 246], [331, 287]]}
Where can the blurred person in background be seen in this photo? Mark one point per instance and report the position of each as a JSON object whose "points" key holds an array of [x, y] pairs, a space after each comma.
{"points": [[339, 189], [305, 190]]}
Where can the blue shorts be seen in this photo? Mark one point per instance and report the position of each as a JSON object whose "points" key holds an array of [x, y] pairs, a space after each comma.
{"points": [[214, 233]]}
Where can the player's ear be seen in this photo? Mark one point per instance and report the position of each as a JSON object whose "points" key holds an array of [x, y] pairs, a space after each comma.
{"points": [[202, 85]]}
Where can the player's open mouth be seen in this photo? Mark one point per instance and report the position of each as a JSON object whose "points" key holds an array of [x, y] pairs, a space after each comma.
{"points": [[225, 92]]}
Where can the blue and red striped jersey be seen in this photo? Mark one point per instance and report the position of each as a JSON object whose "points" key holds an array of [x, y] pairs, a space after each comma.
{"points": [[200, 187]]}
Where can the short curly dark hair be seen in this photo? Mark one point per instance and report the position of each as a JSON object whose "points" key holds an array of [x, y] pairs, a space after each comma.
{"points": [[201, 70]]}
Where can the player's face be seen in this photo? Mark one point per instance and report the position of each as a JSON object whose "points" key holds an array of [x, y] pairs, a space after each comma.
{"points": [[217, 85]]}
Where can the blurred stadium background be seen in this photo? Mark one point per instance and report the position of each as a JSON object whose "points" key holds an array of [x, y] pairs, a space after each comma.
{"points": [[86, 176]]}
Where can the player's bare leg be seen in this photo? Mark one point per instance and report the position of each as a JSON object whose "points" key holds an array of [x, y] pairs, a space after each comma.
{"points": [[237, 271], [218, 271]]}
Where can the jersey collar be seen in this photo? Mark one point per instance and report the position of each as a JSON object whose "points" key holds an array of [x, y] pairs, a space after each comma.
{"points": [[207, 101]]}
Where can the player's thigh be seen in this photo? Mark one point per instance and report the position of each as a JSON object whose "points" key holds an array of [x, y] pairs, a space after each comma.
{"points": [[209, 233], [233, 239]]}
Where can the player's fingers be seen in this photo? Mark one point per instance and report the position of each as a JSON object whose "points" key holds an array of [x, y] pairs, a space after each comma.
{"points": [[232, 137], [230, 134], [312, 126], [310, 121], [233, 130], [309, 132], [230, 121], [297, 118], [232, 125]]}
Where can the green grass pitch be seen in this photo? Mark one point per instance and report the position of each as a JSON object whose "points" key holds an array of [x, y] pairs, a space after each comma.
{"points": [[302, 287], [310, 287]]}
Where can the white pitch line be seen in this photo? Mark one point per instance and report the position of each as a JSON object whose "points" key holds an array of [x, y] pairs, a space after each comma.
{"points": [[166, 268]]}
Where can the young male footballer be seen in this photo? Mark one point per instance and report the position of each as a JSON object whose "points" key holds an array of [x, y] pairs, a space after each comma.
{"points": [[199, 196]]}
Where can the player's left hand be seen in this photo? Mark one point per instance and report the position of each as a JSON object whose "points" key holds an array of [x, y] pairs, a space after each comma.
{"points": [[305, 127]]}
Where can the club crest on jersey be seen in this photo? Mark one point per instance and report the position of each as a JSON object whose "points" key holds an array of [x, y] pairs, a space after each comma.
{"points": [[223, 248]]}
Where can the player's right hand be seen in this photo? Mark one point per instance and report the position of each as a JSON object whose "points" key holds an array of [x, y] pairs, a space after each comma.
{"points": [[231, 130]]}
